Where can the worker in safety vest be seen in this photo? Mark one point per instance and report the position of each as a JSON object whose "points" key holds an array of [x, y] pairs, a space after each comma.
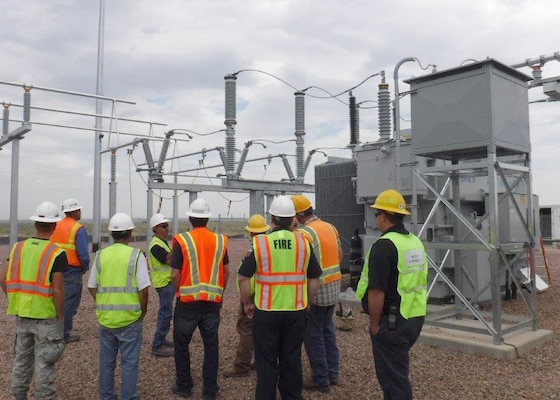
{"points": [[320, 336], [33, 280], [286, 276], [393, 289], [199, 275], [159, 258], [243, 357], [72, 237], [119, 283]]}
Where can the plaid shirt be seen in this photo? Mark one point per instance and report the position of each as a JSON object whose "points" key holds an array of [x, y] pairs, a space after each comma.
{"points": [[327, 295]]}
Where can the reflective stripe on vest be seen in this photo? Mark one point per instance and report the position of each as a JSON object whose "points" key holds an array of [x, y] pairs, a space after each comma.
{"points": [[413, 274], [325, 249], [281, 276], [64, 236], [28, 279], [117, 300], [159, 272], [192, 287]]}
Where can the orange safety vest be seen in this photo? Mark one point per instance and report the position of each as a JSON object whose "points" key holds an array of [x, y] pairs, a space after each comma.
{"points": [[281, 278], [325, 242], [202, 273], [64, 236]]}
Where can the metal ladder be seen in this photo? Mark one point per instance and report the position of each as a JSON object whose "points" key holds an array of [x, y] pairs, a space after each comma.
{"points": [[545, 261]]}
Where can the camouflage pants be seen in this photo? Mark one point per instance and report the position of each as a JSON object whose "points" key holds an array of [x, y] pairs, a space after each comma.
{"points": [[38, 346]]}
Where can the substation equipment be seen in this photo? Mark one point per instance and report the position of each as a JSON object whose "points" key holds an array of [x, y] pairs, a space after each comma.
{"points": [[260, 192], [464, 167]]}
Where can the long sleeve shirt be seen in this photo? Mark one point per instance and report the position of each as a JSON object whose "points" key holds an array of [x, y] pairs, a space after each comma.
{"points": [[82, 248]]}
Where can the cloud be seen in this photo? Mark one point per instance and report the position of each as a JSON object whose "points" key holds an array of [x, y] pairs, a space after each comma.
{"points": [[170, 59]]}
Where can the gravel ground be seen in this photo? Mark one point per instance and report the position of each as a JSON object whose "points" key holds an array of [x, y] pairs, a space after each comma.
{"points": [[435, 373]]}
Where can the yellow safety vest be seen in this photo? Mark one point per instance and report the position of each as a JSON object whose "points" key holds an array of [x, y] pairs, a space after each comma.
{"points": [[413, 274], [252, 280], [28, 280], [281, 278], [117, 300], [159, 272], [325, 243]]}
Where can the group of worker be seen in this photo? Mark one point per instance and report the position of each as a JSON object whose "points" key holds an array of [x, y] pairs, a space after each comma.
{"points": [[289, 282]]}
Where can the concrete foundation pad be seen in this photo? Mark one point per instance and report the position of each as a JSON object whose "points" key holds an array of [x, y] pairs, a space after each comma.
{"points": [[515, 344]]}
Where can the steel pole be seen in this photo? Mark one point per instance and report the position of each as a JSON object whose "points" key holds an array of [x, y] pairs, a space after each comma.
{"points": [[398, 122], [96, 234], [14, 192]]}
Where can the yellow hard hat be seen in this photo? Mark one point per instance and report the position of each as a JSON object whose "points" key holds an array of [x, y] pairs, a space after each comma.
{"points": [[257, 224], [301, 203], [391, 201]]}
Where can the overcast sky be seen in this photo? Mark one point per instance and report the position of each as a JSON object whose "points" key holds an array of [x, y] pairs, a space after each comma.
{"points": [[170, 58]]}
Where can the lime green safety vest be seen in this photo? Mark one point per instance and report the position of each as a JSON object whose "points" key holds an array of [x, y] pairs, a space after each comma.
{"points": [[413, 274], [117, 300], [252, 280], [28, 279], [159, 272], [281, 279]]}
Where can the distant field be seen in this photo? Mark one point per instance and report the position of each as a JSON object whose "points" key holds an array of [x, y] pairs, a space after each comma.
{"points": [[230, 227]]}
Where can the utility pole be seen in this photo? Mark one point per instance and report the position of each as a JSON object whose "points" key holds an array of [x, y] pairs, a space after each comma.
{"points": [[96, 234]]}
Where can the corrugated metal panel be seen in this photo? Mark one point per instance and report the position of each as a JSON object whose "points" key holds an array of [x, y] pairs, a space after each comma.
{"points": [[335, 198], [457, 113]]}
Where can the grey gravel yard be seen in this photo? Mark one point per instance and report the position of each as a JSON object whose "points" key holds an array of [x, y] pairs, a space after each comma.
{"points": [[435, 373]]}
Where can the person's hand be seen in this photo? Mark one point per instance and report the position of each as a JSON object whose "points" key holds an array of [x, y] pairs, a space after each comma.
{"points": [[374, 329], [249, 309]]}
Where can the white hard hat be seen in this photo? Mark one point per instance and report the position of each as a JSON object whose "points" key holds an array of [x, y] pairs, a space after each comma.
{"points": [[71, 205], [120, 222], [282, 206], [46, 212], [199, 209], [157, 219]]}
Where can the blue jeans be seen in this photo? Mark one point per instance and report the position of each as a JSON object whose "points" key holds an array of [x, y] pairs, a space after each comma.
{"points": [[320, 345], [184, 325], [127, 341], [165, 313], [72, 297]]}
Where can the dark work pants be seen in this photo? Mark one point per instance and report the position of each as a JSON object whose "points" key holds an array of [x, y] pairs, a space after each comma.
{"points": [[278, 336], [390, 352], [184, 325]]}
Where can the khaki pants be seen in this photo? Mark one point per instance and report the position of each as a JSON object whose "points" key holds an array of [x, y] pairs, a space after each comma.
{"points": [[38, 346], [245, 347]]}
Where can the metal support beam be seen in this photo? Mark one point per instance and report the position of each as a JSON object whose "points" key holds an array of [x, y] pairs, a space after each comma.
{"points": [[16, 134], [175, 208], [268, 186], [256, 202]]}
